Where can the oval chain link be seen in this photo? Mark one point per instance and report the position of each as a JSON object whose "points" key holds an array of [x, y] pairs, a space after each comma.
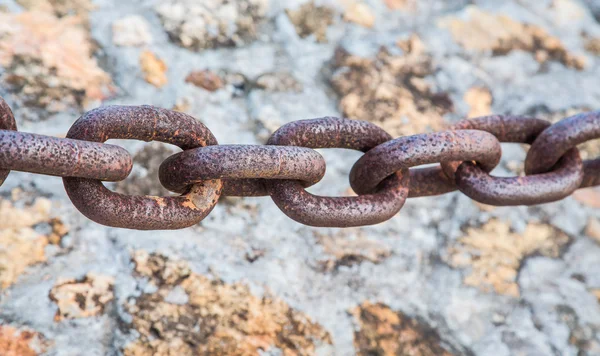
{"points": [[145, 123], [477, 184], [313, 210]]}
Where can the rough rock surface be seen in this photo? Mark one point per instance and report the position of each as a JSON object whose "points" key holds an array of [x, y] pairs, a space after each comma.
{"points": [[445, 276]]}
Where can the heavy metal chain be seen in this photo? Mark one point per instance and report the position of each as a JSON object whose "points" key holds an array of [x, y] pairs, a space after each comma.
{"points": [[288, 163]]}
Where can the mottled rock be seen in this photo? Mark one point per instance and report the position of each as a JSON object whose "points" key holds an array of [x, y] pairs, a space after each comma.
{"points": [[60, 8], [593, 45], [383, 331], [209, 24], [49, 61], [396, 4], [131, 31], [479, 100], [143, 179], [278, 82], [359, 13], [390, 90], [21, 245], [154, 69], [82, 298], [218, 318], [500, 34], [205, 79], [310, 19], [21, 342], [347, 249], [494, 253]]}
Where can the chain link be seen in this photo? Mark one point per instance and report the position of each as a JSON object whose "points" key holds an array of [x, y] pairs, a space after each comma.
{"points": [[382, 177]]}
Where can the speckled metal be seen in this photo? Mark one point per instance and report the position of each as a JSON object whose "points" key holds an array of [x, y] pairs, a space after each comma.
{"points": [[320, 211], [555, 141], [7, 122], [144, 123], [410, 151], [248, 162], [474, 182], [63, 157]]}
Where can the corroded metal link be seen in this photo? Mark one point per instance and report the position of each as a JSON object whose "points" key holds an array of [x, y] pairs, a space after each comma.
{"points": [[559, 138], [63, 157], [314, 210], [247, 162], [7, 122], [409, 151], [144, 123], [474, 182], [591, 177]]}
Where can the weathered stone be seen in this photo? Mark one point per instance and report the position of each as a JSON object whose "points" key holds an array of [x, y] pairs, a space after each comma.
{"points": [[82, 298], [493, 253], [382, 331], [154, 69], [391, 91], [218, 318], [208, 24], [310, 19], [133, 31], [15, 342]]}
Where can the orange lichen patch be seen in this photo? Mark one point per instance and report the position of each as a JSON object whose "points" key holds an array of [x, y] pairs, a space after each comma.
{"points": [[391, 91], [479, 100], [483, 31], [60, 7], [593, 229], [494, 253], [588, 197], [383, 331], [20, 245], [310, 19], [593, 45], [205, 79], [49, 61], [155, 69], [359, 13], [82, 298], [396, 4], [596, 293], [210, 317], [347, 249], [14, 342]]}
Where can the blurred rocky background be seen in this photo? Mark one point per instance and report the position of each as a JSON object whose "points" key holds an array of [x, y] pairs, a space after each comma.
{"points": [[446, 276]]}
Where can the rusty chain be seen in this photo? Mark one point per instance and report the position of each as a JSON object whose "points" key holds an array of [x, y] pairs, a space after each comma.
{"points": [[383, 177]]}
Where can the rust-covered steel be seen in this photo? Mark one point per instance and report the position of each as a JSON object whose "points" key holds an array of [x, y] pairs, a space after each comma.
{"points": [[416, 150], [243, 167], [143, 123], [476, 183], [313, 210], [7, 122], [383, 178], [63, 157]]}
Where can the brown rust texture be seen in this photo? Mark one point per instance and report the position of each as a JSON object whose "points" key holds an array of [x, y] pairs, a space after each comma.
{"points": [[63, 157], [474, 182], [247, 162], [7, 122], [409, 151], [314, 210], [557, 140], [144, 123]]}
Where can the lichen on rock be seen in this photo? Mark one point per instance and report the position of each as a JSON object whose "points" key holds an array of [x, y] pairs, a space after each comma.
{"points": [[21, 245], [49, 62], [383, 331], [391, 90], [200, 24], [82, 298], [311, 19], [494, 254], [347, 249], [499, 34], [154, 69], [214, 317], [21, 342]]}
